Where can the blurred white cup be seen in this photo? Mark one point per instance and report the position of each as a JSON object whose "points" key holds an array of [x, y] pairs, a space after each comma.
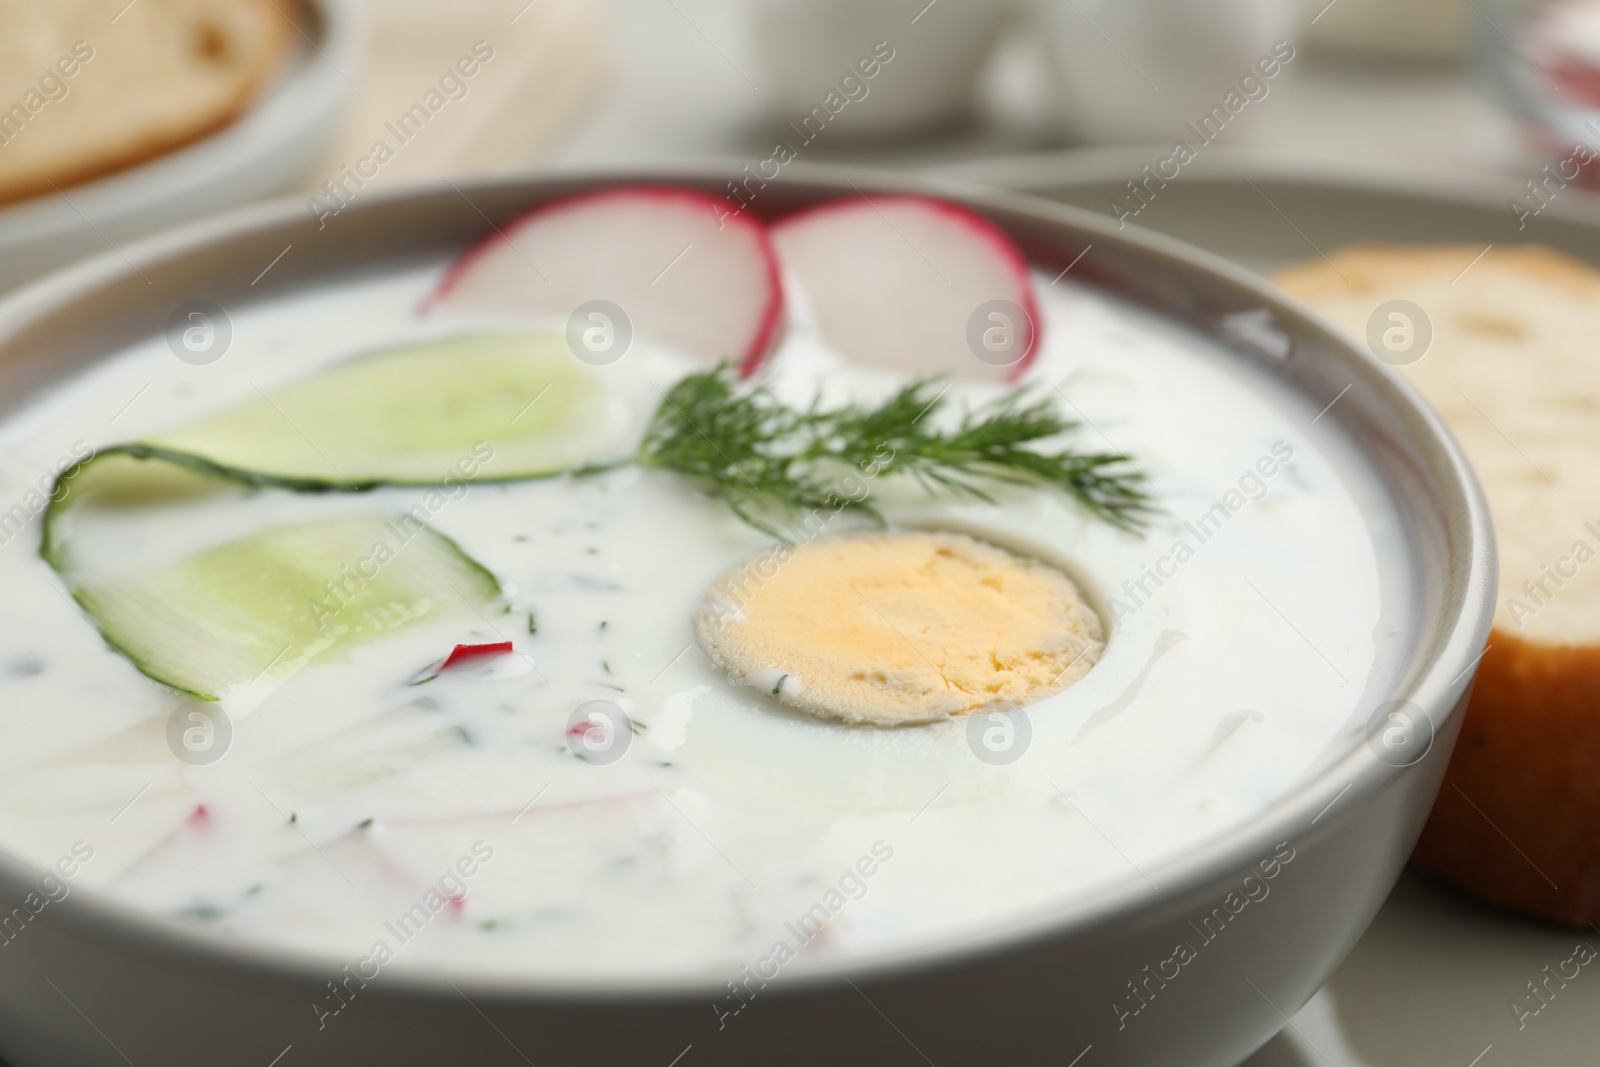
{"points": [[807, 47], [1137, 70]]}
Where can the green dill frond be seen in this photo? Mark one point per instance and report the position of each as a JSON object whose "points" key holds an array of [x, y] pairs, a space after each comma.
{"points": [[743, 442], [768, 460]]}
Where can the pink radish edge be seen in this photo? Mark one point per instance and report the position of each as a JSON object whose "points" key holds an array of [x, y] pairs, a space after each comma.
{"points": [[979, 225], [771, 318]]}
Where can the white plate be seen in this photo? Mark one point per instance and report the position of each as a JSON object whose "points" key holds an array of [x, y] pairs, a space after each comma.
{"points": [[257, 155], [1261, 210], [1433, 981]]}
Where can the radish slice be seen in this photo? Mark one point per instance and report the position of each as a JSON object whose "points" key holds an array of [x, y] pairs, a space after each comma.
{"points": [[914, 285], [494, 660], [475, 653], [682, 269]]}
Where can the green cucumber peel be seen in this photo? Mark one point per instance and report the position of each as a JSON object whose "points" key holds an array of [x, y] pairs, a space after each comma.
{"points": [[258, 606], [504, 406]]}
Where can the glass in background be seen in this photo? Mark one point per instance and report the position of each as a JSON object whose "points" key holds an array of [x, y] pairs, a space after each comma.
{"points": [[1542, 60]]}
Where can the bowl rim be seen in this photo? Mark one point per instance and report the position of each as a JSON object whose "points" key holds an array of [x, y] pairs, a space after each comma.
{"points": [[1440, 674]]}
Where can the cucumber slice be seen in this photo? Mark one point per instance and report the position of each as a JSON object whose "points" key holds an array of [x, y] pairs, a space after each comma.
{"points": [[254, 605], [493, 407]]}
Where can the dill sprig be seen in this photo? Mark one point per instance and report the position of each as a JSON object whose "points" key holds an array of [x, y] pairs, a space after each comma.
{"points": [[763, 457]]}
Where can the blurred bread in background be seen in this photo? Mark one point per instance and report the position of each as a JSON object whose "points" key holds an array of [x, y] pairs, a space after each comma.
{"points": [[1511, 368], [88, 87]]}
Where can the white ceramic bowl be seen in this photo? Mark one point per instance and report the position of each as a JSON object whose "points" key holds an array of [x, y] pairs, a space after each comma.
{"points": [[1138, 70], [95, 982], [809, 49], [258, 155]]}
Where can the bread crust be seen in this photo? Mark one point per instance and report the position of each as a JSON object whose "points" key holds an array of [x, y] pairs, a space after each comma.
{"points": [[1517, 821], [157, 143], [264, 29], [1372, 265]]}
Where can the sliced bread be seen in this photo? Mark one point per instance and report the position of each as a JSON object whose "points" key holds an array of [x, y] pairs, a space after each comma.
{"points": [[88, 87], [1513, 369]]}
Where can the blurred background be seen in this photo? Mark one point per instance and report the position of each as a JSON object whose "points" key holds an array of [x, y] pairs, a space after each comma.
{"points": [[1491, 87], [1473, 120], [1029, 93]]}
